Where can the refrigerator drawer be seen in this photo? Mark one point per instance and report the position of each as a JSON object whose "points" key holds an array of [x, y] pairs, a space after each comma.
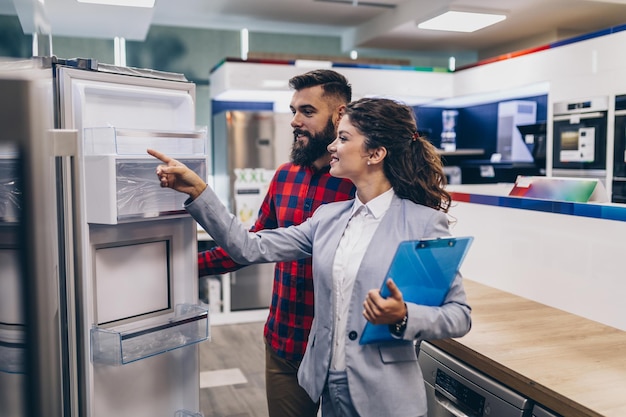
{"points": [[188, 325], [119, 189], [12, 349], [120, 177]]}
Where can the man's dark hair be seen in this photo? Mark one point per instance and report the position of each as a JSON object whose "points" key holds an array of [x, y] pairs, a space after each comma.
{"points": [[331, 81]]}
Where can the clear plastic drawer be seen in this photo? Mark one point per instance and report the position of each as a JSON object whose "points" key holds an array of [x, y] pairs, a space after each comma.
{"points": [[120, 177], [12, 349], [188, 324]]}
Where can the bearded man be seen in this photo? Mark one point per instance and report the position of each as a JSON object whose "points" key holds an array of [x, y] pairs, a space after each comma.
{"points": [[297, 189]]}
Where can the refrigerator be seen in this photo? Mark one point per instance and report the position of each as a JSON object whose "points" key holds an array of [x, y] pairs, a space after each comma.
{"points": [[110, 315], [246, 145]]}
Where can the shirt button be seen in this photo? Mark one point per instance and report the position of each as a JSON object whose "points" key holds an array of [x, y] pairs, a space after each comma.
{"points": [[352, 335]]}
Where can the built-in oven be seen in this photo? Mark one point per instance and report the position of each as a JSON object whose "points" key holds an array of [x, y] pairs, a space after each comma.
{"points": [[619, 151], [579, 138]]}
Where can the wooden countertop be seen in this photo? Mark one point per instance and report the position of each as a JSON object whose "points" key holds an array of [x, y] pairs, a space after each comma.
{"points": [[572, 365]]}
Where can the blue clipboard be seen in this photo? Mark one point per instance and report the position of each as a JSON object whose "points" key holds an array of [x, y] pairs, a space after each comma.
{"points": [[424, 271]]}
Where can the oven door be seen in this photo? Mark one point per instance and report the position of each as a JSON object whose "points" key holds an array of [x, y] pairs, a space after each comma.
{"points": [[619, 158], [580, 141]]}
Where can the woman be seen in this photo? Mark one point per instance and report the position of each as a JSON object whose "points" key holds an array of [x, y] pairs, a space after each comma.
{"points": [[400, 196]]}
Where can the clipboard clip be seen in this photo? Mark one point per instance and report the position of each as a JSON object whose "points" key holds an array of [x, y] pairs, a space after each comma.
{"points": [[429, 243]]}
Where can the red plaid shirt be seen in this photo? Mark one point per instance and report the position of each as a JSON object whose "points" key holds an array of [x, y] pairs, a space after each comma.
{"points": [[293, 195]]}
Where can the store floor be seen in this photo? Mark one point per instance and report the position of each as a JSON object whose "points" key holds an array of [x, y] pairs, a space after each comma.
{"points": [[232, 372]]}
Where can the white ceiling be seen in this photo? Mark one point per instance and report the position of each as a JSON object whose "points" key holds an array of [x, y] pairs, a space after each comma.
{"points": [[373, 24]]}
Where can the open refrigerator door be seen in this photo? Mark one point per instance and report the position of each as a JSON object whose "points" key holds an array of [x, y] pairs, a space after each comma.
{"points": [[99, 312]]}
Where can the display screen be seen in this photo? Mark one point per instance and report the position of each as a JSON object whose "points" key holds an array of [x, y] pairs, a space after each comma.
{"points": [[465, 398], [580, 142], [578, 145], [132, 280], [569, 140]]}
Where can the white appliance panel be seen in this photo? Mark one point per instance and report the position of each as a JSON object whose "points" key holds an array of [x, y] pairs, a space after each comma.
{"points": [[131, 280], [146, 389], [100, 105]]}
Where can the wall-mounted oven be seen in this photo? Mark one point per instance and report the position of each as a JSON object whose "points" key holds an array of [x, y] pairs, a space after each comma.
{"points": [[579, 138], [619, 151]]}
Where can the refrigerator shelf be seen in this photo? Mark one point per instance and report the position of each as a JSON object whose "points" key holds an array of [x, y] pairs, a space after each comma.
{"points": [[12, 350], [127, 188], [189, 324], [116, 141], [10, 193]]}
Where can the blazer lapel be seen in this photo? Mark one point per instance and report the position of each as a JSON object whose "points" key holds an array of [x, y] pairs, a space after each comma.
{"points": [[324, 263], [380, 250]]}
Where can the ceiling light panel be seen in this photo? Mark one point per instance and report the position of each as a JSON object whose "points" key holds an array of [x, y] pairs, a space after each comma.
{"points": [[454, 21]]}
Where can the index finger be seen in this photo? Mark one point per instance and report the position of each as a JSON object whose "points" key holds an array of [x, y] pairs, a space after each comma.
{"points": [[164, 158]]}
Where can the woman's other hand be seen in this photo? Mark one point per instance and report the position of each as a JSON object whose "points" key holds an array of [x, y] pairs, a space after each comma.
{"points": [[379, 310], [178, 176]]}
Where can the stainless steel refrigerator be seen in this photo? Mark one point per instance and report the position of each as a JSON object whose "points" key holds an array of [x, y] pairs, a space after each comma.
{"points": [[31, 371], [104, 319], [244, 160]]}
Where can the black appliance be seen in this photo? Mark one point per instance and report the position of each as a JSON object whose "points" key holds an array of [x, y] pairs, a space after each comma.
{"points": [[619, 153], [579, 145]]}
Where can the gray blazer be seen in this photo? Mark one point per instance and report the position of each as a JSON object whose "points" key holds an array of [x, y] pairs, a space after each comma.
{"points": [[384, 379]]}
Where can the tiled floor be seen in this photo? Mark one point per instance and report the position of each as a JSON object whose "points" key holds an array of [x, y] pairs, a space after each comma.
{"points": [[219, 378], [232, 372]]}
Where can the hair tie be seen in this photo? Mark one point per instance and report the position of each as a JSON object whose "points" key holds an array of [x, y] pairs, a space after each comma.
{"points": [[415, 136]]}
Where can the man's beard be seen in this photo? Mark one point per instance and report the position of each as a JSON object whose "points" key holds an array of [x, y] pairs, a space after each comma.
{"points": [[316, 147]]}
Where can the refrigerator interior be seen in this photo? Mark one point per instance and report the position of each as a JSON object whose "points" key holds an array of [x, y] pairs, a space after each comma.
{"points": [[138, 322], [12, 320]]}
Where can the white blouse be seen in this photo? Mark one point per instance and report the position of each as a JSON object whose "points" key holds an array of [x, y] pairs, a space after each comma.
{"points": [[356, 238]]}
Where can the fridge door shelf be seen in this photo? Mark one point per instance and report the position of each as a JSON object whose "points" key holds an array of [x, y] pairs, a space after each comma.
{"points": [[189, 324], [12, 350], [120, 177], [120, 189], [117, 141]]}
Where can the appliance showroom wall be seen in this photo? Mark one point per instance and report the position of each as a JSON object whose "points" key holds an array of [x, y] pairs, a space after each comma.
{"points": [[477, 124], [569, 262], [581, 69]]}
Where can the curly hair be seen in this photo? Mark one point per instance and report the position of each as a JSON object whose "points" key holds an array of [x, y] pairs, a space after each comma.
{"points": [[412, 165]]}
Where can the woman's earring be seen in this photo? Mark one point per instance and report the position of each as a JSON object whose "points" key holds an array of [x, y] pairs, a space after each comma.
{"points": [[368, 162]]}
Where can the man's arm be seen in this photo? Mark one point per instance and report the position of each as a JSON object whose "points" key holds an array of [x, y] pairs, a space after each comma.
{"points": [[216, 261]]}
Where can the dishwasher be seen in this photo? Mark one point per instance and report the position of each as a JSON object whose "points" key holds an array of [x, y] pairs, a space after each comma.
{"points": [[539, 411], [454, 389]]}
